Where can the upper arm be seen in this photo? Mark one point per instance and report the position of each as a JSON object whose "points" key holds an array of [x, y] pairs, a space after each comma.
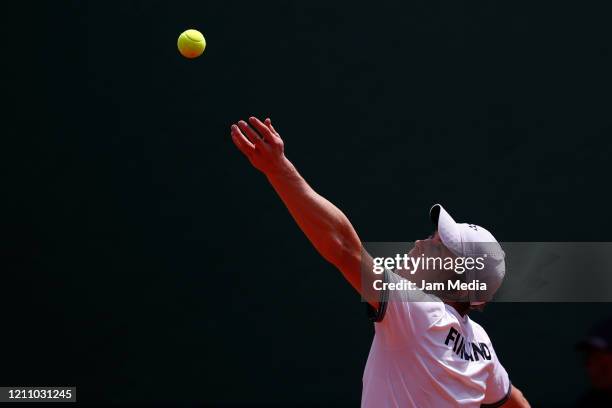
{"points": [[356, 265]]}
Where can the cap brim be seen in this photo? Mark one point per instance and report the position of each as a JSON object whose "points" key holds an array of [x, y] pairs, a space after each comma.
{"points": [[448, 229]]}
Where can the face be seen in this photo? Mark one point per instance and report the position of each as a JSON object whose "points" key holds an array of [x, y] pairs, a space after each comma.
{"points": [[431, 247], [599, 369]]}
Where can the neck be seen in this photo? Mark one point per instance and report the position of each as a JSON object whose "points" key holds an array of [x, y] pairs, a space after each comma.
{"points": [[463, 308]]}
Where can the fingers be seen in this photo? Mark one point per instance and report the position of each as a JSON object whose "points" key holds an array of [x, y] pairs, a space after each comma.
{"points": [[268, 123], [242, 143], [250, 133], [264, 131], [263, 138]]}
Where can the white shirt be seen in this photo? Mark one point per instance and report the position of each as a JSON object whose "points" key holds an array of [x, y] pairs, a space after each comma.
{"points": [[425, 354]]}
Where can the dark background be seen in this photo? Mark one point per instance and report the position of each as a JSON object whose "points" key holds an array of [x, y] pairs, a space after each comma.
{"points": [[145, 261]]}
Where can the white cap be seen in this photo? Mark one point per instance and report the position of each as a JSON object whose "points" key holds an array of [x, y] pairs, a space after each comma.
{"points": [[469, 240]]}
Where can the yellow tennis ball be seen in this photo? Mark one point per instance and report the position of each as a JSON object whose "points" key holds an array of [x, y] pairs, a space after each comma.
{"points": [[191, 43]]}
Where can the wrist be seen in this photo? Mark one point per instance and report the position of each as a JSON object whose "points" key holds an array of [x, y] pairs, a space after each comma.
{"points": [[281, 169]]}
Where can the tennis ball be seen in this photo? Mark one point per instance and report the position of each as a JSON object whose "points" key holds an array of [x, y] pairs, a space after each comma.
{"points": [[191, 43]]}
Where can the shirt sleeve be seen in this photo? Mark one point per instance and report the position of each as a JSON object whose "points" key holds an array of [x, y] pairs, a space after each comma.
{"points": [[404, 315], [377, 315], [498, 385]]}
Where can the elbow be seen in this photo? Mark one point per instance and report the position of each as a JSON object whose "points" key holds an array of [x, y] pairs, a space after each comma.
{"points": [[339, 244], [345, 253]]}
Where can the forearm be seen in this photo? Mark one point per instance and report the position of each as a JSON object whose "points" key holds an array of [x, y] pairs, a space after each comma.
{"points": [[327, 228]]}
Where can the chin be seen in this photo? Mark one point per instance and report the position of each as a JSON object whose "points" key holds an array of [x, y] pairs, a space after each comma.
{"points": [[413, 252]]}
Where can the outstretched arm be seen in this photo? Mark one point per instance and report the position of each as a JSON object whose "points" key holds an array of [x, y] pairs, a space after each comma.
{"points": [[324, 224]]}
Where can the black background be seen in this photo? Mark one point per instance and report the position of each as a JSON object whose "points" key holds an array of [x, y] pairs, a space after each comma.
{"points": [[145, 261]]}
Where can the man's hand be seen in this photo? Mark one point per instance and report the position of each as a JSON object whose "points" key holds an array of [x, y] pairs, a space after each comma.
{"points": [[262, 145]]}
